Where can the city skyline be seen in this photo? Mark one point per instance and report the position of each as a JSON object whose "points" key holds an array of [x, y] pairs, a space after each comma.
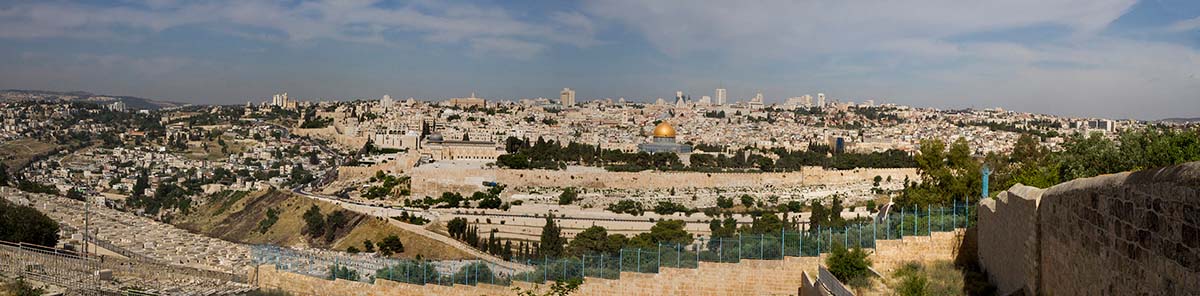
{"points": [[1115, 59]]}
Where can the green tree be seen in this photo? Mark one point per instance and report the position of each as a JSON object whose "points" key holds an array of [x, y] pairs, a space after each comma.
{"points": [[665, 231], [25, 224], [594, 240], [314, 221], [747, 200], [551, 242], [390, 245], [568, 196], [724, 202], [847, 265]]}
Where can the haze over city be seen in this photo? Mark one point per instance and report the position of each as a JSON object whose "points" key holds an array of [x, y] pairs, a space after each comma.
{"points": [[1108, 58]]}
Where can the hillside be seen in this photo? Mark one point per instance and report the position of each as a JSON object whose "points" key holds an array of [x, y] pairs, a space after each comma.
{"points": [[131, 102], [237, 216]]}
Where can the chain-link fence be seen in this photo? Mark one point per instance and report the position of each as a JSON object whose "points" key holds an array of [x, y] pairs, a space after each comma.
{"points": [[790, 241]]}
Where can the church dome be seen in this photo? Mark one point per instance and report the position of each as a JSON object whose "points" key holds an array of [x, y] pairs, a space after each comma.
{"points": [[664, 130]]}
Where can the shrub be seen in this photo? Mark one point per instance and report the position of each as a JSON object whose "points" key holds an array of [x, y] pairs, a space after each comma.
{"points": [[847, 264]]}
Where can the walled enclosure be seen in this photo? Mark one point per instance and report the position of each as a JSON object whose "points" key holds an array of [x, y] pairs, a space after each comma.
{"points": [[1118, 234]]}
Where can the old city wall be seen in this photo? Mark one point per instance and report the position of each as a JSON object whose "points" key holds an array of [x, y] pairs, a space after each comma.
{"points": [[434, 181], [1117, 234], [1008, 242]]}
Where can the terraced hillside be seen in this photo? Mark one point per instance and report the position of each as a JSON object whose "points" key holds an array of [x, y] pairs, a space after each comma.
{"points": [[244, 217]]}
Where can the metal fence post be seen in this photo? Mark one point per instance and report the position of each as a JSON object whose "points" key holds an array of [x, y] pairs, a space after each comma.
{"points": [[761, 246], [801, 252], [739, 247], [639, 259], [782, 242], [928, 220], [954, 214], [967, 214], [818, 240], [858, 228], [620, 262], [658, 257], [901, 236], [678, 255]]}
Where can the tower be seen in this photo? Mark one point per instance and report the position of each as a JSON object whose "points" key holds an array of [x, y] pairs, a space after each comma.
{"points": [[720, 96], [567, 97]]}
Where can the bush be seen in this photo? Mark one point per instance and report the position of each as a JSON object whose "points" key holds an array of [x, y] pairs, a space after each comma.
{"points": [[390, 245], [568, 196], [847, 264]]}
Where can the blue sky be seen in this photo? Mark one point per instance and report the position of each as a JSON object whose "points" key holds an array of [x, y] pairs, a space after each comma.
{"points": [[1108, 58]]}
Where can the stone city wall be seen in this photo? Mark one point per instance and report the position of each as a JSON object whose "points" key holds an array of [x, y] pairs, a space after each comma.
{"points": [[433, 182], [1008, 243], [1120, 234]]}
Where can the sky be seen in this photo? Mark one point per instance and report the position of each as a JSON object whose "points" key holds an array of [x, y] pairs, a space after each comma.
{"points": [[1089, 58]]}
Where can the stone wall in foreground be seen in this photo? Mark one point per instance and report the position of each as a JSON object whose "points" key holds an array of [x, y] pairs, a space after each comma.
{"points": [[1120, 234], [1008, 243]]}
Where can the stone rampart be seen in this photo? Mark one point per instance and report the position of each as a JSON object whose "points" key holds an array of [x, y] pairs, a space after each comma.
{"points": [[1119, 234], [433, 181]]}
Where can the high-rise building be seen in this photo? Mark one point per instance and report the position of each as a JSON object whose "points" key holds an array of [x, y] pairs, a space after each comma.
{"points": [[567, 97], [705, 100], [386, 102], [720, 96], [821, 100]]}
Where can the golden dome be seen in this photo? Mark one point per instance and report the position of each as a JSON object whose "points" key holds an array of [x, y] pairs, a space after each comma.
{"points": [[664, 130]]}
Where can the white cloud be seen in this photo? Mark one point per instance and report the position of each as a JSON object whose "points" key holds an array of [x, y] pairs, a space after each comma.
{"points": [[1185, 25], [359, 21], [914, 50]]}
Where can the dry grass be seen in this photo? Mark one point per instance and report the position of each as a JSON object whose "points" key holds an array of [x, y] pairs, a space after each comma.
{"points": [[196, 149], [18, 152], [237, 219]]}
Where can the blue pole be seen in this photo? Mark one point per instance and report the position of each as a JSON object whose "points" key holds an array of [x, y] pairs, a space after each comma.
{"points": [[801, 251], [639, 260], [782, 242]]}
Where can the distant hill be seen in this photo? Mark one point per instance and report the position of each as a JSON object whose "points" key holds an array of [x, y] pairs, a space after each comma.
{"points": [[1180, 120], [131, 103]]}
